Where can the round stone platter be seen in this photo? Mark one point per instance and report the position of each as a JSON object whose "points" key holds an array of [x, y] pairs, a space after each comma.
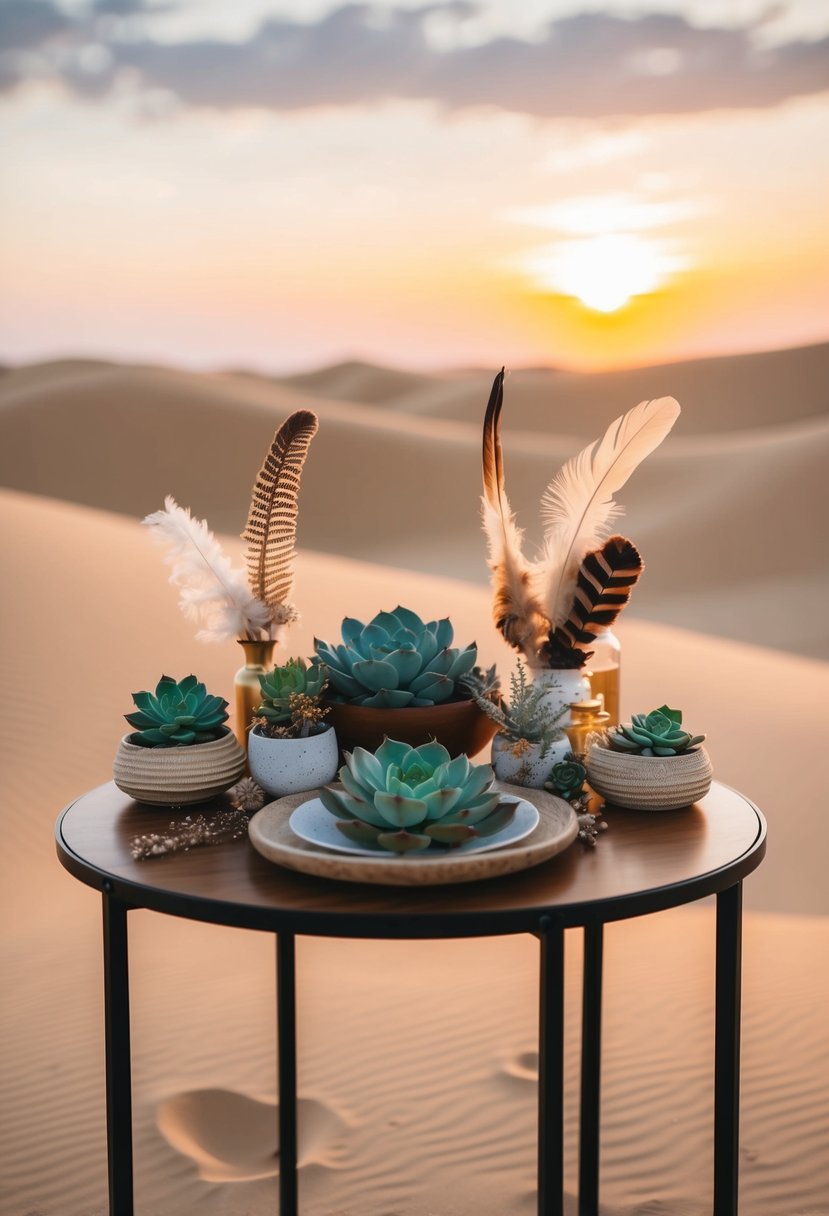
{"points": [[271, 836]]}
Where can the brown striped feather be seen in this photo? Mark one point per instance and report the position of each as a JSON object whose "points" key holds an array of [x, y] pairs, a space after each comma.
{"points": [[605, 580], [271, 527]]}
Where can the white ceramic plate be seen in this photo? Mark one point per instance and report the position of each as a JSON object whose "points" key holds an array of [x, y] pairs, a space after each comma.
{"points": [[313, 823]]}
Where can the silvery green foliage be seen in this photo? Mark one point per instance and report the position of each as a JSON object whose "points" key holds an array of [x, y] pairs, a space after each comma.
{"points": [[180, 713], [396, 660], [404, 798], [658, 733], [524, 716], [283, 682]]}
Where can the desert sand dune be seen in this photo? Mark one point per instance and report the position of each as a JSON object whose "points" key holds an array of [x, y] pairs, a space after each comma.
{"points": [[409, 1118], [735, 510]]}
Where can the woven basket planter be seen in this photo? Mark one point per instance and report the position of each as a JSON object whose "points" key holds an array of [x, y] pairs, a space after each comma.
{"points": [[649, 783], [175, 776]]}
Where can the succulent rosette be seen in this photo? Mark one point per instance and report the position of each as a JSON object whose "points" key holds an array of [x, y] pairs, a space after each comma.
{"points": [[404, 799], [658, 733], [179, 714], [396, 660], [567, 779]]}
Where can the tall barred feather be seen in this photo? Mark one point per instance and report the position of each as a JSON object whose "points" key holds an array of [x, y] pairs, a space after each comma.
{"points": [[271, 526], [578, 506], [605, 580], [515, 609]]}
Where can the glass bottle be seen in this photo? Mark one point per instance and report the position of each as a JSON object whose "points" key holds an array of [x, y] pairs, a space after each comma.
{"points": [[587, 717], [603, 671], [248, 694]]}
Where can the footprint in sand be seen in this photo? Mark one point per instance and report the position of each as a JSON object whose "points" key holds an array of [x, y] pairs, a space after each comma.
{"points": [[232, 1138], [524, 1066]]}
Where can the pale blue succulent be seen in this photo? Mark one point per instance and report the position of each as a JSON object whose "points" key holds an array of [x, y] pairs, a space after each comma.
{"points": [[404, 798], [396, 660]]}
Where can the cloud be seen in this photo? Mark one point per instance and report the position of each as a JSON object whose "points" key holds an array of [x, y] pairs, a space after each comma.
{"points": [[588, 65]]}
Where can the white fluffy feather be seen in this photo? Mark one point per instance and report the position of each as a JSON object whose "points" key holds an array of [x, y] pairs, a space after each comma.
{"points": [[578, 508], [213, 592]]}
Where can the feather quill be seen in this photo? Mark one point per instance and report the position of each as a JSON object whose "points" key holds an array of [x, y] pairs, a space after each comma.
{"points": [[605, 580], [515, 609], [271, 527], [213, 592], [578, 508]]}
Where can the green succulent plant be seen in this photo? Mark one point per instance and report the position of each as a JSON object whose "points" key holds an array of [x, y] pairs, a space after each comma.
{"points": [[567, 779], [291, 689], [396, 660], [658, 733], [524, 716], [178, 714], [479, 683], [405, 799]]}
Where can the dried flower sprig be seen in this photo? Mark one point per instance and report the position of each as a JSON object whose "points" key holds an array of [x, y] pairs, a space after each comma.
{"points": [[193, 831]]}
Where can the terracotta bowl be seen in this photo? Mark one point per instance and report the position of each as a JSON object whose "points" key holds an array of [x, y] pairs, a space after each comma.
{"points": [[460, 726]]}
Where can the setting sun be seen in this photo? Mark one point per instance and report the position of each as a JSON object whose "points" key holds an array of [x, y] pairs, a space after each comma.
{"points": [[604, 272]]}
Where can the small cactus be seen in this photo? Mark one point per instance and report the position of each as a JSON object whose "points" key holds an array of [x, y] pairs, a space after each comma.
{"points": [[658, 733]]}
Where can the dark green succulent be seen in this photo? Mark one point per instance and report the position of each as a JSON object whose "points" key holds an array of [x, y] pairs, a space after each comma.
{"points": [[284, 684], [177, 714], [404, 799], [658, 733], [567, 779], [396, 660]]}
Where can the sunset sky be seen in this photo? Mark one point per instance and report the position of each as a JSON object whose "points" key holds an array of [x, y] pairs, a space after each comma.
{"points": [[274, 185]]}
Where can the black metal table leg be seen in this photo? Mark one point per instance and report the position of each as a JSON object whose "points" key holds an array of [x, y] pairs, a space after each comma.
{"points": [[286, 1052], [591, 1057], [118, 1071], [551, 1070], [727, 1051]]}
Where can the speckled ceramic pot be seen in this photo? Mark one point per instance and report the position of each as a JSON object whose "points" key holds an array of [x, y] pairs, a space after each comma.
{"points": [[176, 776], [288, 766], [528, 768]]}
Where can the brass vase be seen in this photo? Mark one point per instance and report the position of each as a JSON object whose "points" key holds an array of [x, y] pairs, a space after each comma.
{"points": [[258, 661]]}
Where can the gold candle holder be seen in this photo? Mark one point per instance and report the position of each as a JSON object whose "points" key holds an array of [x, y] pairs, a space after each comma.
{"points": [[588, 718]]}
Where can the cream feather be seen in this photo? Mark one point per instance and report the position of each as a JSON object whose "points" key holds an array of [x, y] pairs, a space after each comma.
{"points": [[578, 508], [213, 592], [515, 609]]}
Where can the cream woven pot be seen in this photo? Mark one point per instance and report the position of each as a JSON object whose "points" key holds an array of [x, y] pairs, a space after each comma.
{"points": [[649, 783], [174, 776]]}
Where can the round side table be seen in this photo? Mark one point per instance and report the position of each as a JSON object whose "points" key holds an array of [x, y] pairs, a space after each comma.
{"points": [[644, 863]]}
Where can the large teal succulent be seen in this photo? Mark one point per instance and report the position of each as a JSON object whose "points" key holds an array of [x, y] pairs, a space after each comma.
{"points": [[396, 660], [406, 798], [178, 715], [283, 683], [658, 733]]}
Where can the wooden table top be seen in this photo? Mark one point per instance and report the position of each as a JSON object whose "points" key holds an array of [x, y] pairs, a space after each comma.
{"points": [[644, 862]]}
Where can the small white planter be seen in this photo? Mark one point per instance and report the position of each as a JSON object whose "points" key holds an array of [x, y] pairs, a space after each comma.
{"points": [[563, 685], [288, 766], [649, 783], [175, 776], [528, 768]]}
